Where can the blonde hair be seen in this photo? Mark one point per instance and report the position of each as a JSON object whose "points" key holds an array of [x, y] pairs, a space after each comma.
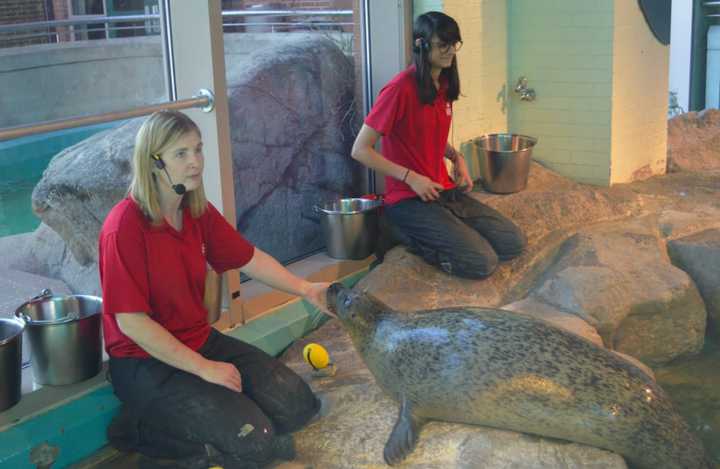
{"points": [[160, 131]]}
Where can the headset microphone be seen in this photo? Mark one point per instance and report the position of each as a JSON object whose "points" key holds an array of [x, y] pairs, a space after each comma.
{"points": [[160, 164], [178, 188]]}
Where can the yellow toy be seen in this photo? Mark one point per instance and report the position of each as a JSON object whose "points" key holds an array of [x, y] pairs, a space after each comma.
{"points": [[316, 356]]}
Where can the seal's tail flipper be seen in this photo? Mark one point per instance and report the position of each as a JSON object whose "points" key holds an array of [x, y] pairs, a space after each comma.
{"points": [[404, 435]]}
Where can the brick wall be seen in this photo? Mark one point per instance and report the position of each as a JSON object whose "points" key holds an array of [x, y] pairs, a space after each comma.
{"points": [[483, 63], [21, 11]]}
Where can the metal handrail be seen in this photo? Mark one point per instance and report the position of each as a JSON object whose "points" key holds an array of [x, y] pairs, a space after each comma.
{"points": [[133, 18], [231, 13], [204, 100], [76, 22]]}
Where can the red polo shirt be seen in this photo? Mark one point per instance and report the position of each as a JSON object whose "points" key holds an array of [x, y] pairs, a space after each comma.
{"points": [[161, 271], [414, 134]]}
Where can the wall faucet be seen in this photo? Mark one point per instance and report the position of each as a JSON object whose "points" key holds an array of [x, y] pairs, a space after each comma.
{"points": [[526, 94]]}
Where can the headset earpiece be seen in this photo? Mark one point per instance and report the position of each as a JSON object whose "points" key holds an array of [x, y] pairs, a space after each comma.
{"points": [[421, 45], [159, 163]]}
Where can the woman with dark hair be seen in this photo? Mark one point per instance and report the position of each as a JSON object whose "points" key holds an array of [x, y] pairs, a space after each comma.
{"points": [[430, 211]]}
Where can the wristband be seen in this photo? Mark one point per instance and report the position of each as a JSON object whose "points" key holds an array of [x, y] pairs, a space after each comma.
{"points": [[407, 171]]}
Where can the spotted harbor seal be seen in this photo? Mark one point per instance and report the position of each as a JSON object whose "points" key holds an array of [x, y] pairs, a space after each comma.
{"points": [[507, 370]]}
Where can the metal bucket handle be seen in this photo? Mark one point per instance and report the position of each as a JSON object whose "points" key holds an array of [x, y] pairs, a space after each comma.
{"points": [[321, 211], [44, 295]]}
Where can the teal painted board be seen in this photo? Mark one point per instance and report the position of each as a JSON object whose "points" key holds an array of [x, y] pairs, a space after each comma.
{"points": [[77, 427]]}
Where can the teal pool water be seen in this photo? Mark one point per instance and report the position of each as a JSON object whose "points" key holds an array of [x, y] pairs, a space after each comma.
{"points": [[694, 386], [22, 162]]}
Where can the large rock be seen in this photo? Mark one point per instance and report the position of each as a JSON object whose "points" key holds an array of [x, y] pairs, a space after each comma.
{"points": [[618, 279], [80, 186], [357, 417], [694, 141], [293, 122], [43, 252], [674, 224], [292, 126], [699, 256], [551, 207]]}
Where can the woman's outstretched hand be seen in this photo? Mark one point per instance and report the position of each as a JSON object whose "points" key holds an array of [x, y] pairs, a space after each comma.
{"points": [[423, 186], [316, 295], [224, 374]]}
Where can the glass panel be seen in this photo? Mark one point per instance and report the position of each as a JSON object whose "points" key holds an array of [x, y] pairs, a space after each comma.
{"points": [[88, 8], [294, 110], [61, 59]]}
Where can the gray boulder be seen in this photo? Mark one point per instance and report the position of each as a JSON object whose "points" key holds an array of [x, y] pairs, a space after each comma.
{"points": [[44, 253], [80, 186], [292, 126], [699, 256], [674, 224], [547, 211], [617, 279], [293, 123], [693, 141]]}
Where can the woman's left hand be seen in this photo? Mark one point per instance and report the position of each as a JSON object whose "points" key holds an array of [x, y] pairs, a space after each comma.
{"points": [[462, 175], [316, 295]]}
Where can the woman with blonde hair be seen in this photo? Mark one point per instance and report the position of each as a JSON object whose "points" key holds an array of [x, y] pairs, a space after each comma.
{"points": [[189, 393]]}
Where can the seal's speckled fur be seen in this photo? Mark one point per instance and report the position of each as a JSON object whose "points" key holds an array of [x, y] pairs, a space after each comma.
{"points": [[506, 370]]}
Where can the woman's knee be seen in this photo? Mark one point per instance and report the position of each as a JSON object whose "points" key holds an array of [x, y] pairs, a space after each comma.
{"points": [[513, 245], [251, 442], [469, 264], [300, 406]]}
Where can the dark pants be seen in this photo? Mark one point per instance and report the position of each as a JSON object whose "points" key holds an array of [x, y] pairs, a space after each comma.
{"points": [[456, 233], [168, 413]]}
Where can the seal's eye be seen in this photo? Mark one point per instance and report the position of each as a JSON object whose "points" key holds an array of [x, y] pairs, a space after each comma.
{"points": [[347, 302]]}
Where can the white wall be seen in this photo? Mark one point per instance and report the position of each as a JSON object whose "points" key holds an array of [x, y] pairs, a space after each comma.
{"points": [[680, 45]]}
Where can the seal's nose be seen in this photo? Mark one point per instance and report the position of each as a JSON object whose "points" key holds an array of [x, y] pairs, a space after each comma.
{"points": [[332, 295]]}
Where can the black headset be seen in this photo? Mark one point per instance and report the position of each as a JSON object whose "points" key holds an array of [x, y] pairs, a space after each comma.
{"points": [[424, 45], [160, 164]]}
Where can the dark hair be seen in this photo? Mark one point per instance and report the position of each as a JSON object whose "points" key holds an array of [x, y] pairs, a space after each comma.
{"points": [[447, 30]]}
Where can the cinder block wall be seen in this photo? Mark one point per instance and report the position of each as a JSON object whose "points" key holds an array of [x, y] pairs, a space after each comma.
{"points": [[640, 97], [599, 74], [483, 64], [564, 48]]}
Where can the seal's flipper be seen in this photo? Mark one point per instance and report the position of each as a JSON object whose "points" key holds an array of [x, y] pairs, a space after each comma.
{"points": [[404, 436]]}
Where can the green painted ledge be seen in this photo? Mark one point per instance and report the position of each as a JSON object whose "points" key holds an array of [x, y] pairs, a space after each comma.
{"points": [[76, 421]]}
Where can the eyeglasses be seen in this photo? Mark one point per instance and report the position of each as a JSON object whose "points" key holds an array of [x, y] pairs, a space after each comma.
{"points": [[444, 47]]}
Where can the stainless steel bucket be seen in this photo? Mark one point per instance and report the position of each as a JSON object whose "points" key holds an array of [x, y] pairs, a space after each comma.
{"points": [[64, 334], [11, 331], [350, 227], [504, 161]]}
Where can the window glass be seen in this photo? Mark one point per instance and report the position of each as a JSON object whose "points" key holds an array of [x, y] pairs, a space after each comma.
{"points": [[61, 59], [292, 90]]}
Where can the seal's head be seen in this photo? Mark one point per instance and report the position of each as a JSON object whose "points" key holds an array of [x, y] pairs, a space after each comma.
{"points": [[356, 310]]}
